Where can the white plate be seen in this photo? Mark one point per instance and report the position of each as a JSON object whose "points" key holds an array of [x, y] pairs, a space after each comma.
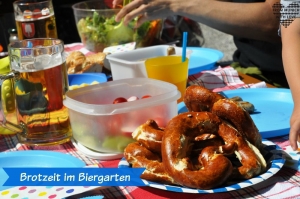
{"points": [[275, 159]]}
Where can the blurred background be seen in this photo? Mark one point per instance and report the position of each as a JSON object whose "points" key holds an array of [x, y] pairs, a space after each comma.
{"points": [[65, 21], [67, 31]]}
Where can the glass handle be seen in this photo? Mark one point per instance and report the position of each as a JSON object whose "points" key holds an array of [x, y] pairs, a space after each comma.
{"points": [[5, 123]]}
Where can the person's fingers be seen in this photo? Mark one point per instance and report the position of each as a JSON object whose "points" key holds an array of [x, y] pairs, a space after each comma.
{"points": [[115, 3], [293, 137], [149, 15], [130, 11], [141, 20], [293, 141]]}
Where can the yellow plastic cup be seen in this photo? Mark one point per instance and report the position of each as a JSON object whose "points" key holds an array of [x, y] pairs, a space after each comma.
{"points": [[169, 69]]}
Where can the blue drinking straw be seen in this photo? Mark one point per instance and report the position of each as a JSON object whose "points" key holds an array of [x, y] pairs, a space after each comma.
{"points": [[184, 42]]}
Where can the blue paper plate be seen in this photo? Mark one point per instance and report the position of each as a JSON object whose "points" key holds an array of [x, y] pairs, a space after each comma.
{"points": [[87, 78], [203, 59], [36, 158], [275, 159], [273, 108]]}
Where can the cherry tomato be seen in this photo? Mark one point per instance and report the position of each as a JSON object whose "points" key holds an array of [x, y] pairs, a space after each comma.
{"points": [[119, 100], [146, 96]]}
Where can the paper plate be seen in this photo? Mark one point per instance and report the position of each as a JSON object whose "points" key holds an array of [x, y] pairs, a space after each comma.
{"points": [[274, 157], [35, 158], [38, 158], [273, 108], [86, 78], [203, 59]]}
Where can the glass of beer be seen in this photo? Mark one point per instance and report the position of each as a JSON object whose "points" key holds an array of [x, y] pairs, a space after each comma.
{"points": [[35, 19], [39, 77]]}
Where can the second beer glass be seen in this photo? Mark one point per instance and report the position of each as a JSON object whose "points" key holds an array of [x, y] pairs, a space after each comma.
{"points": [[35, 19]]}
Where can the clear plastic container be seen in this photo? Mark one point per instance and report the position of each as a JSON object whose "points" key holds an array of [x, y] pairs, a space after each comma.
{"points": [[102, 126]]}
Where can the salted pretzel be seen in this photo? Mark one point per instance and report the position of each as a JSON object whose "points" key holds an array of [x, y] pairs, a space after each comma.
{"points": [[217, 168], [253, 163], [176, 143], [231, 111], [146, 152], [195, 148], [141, 157], [149, 135], [198, 98]]}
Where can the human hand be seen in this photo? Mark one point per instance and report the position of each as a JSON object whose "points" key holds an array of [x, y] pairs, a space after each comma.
{"points": [[295, 129], [145, 10]]}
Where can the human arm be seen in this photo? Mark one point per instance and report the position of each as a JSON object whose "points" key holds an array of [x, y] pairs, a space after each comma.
{"points": [[249, 20], [291, 61]]}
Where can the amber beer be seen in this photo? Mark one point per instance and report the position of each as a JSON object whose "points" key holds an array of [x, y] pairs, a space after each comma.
{"points": [[40, 88], [43, 27], [39, 97], [35, 19]]}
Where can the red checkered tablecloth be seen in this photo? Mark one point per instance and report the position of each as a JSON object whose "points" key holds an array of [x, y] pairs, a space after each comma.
{"points": [[284, 184]]}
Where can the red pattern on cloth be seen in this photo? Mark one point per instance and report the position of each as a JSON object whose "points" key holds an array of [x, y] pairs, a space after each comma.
{"points": [[284, 184], [221, 79]]}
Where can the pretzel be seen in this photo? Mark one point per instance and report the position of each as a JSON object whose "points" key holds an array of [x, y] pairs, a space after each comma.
{"points": [[177, 142], [198, 98], [216, 168], [231, 111], [253, 163], [140, 157], [194, 149], [149, 135]]}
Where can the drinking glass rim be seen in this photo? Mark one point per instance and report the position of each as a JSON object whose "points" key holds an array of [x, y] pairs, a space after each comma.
{"points": [[23, 2], [59, 42]]}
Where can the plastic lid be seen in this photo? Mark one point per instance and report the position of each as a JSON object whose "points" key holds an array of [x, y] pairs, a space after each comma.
{"points": [[95, 154], [167, 93]]}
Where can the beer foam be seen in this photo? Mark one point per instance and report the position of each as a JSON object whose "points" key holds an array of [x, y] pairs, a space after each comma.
{"points": [[37, 63], [22, 19]]}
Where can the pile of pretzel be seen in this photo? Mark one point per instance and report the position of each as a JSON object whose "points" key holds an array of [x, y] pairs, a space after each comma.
{"points": [[199, 148]]}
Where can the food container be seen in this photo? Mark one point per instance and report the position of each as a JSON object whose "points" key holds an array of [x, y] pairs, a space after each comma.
{"points": [[130, 64], [100, 125], [98, 29]]}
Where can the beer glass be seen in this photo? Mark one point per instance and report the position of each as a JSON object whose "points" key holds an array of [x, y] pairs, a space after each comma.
{"points": [[39, 76], [35, 19]]}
